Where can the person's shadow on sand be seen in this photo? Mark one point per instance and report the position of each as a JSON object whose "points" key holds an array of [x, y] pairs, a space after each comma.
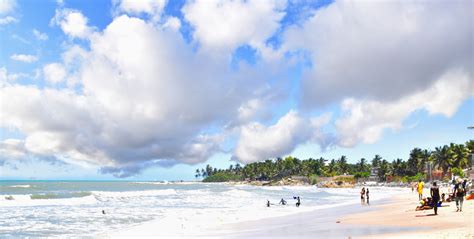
{"points": [[426, 215]]}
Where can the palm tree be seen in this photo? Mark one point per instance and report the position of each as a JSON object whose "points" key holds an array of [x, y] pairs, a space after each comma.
{"points": [[384, 169], [415, 162], [238, 168], [398, 167], [342, 164], [376, 161], [332, 167], [362, 165], [441, 158], [458, 155], [198, 174]]}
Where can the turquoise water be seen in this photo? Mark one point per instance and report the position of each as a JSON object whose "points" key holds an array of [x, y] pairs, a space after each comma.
{"points": [[74, 208]]}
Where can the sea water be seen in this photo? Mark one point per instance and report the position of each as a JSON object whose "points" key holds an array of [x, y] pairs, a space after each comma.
{"points": [[74, 208]]}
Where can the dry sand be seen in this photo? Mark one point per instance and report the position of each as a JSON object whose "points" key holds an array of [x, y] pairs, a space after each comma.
{"points": [[401, 212]]}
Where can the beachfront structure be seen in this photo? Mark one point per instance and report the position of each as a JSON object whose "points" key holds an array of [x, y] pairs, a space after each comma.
{"points": [[374, 174]]}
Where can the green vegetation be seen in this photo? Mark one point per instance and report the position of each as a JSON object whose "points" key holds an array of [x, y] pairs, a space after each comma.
{"points": [[222, 177], [446, 159]]}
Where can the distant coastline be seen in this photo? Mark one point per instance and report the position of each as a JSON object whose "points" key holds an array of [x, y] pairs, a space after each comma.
{"points": [[441, 164]]}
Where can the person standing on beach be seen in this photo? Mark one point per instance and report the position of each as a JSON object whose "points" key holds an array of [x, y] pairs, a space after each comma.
{"points": [[434, 191], [367, 195], [362, 194], [420, 189], [459, 196]]}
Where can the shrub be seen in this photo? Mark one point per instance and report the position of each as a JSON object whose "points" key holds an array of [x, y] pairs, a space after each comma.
{"points": [[313, 179], [222, 177]]}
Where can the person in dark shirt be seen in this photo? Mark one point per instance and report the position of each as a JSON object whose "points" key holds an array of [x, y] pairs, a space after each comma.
{"points": [[459, 192], [367, 195], [434, 191]]}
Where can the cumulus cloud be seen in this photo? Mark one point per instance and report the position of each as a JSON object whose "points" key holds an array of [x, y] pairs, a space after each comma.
{"points": [[54, 73], [12, 149], [7, 20], [73, 23], [138, 95], [381, 50], [365, 120], [152, 7], [173, 23], [7, 6], [259, 142], [40, 35], [145, 96], [24, 58], [222, 26]]}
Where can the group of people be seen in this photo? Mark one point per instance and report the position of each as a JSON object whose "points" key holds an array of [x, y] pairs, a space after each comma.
{"points": [[436, 199], [283, 202], [364, 194], [432, 202]]}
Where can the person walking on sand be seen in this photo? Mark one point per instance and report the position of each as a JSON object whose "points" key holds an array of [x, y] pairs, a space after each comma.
{"points": [[434, 191], [459, 195], [420, 189]]}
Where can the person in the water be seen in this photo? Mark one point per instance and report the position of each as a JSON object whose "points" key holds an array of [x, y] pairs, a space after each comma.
{"points": [[298, 203], [268, 203], [282, 202]]}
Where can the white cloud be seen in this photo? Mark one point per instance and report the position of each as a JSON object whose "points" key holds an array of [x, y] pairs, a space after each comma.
{"points": [[7, 6], [72, 23], [7, 20], [12, 149], [259, 142], [222, 26], [146, 98], [365, 120], [39, 35], [173, 23], [152, 7], [24, 58], [381, 50], [54, 73]]}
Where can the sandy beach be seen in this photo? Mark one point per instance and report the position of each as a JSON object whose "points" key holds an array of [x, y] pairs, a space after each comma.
{"points": [[401, 212], [394, 218]]}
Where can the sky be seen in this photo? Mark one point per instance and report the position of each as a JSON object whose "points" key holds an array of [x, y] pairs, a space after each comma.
{"points": [[153, 89]]}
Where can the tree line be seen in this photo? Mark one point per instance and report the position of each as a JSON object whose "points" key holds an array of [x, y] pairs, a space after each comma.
{"points": [[452, 158]]}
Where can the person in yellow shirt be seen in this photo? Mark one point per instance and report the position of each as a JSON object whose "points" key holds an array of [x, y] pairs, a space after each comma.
{"points": [[420, 189]]}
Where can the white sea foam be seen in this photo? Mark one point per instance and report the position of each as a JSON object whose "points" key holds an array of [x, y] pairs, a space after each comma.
{"points": [[144, 193], [21, 186], [21, 200]]}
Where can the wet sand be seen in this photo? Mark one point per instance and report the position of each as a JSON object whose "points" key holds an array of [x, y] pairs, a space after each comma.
{"points": [[323, 223]]}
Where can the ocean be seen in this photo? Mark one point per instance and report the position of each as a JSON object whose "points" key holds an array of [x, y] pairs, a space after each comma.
{"points": [[74, 208]]}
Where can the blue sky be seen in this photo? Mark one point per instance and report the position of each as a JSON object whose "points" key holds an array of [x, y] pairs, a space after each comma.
{"points": [[152, 90]]}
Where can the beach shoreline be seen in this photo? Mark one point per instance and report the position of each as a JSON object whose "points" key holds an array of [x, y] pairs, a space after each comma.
{"points": [[303, 223], [393, 217], [400, 211]]}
